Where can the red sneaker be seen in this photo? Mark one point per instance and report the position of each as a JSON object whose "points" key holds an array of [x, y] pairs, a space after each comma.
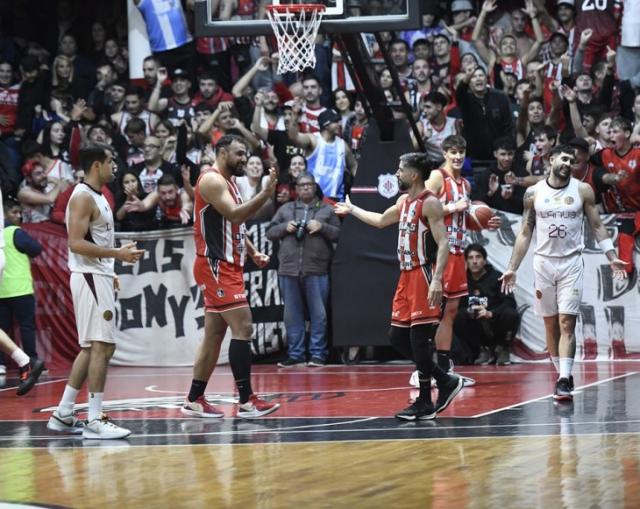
{"points": [[201, 408], [256, 407]]}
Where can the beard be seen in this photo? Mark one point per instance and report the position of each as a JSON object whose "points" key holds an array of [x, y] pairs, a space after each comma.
{"points": [[403, 185], [237, 170]]}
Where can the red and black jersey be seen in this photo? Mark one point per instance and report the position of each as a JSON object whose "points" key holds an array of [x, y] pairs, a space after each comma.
{"points": [[625, 196], [216, 237], [416, 245], [598, 16]]}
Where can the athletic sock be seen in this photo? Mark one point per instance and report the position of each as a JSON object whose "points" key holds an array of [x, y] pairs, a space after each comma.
{"points": [[440, 376], [566, 365], [444, 362], [95, 405], [197, 389], [20, 358], [556, 363], [240, 361], [68, 400], [423, 354]]}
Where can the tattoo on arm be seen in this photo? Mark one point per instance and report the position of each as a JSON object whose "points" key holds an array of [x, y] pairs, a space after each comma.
{"points": [[530, 218]]}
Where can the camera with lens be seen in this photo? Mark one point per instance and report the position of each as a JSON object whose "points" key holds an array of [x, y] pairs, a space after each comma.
{"points": [[301, 226], [474, 300]]}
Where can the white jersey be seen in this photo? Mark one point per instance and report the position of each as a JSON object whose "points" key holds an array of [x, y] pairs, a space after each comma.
{"points": [[433, 142], [100, 233], [559, 219]]}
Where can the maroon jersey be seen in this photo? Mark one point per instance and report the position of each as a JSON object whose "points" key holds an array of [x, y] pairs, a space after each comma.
{"points": [[9, 107], [215, 236], [598, 16]]}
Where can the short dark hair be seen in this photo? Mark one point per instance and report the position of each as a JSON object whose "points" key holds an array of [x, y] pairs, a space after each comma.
{"points": [[454, 141], [400, 41], [547, 130], [418, 161], [135, 126], [134, 90], [478, 248], [9, 203], [504, 143], [562, 149], [207, 75], [227, 140], [622, 123], [152, 57], [421, 42], [167, 180], [536, 99], [310, 76], [436, 98], [93, 152]]}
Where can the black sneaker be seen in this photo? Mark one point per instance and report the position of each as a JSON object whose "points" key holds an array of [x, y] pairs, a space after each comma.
{"points": [[29, 376], [563, 390], [448, 391], [420, 410], [288, 362], [317, 362]]}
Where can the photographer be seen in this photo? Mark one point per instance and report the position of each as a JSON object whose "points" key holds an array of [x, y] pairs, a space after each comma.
{"points": [[306, 229], [489, 319]]}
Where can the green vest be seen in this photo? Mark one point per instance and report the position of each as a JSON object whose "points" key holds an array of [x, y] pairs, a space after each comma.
{"points": [[16, 277]]}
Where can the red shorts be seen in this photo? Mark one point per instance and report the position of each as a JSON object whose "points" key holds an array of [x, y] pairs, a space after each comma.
{"points": [[222, 284], [410, 303], [454, 279]]}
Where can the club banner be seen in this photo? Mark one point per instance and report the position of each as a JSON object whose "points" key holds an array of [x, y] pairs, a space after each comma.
{"points": [[159, 308], [610, 310]]}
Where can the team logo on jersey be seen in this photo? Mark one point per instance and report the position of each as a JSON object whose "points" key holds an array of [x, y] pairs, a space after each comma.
{"points": [[220, 292], [107, 315], [569, 200], [388, 185], [632, 164]]}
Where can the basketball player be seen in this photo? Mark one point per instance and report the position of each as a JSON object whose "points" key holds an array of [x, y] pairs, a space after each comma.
{"points": [[454, 191], [221, 247], [28, 374], [556, 208], [89, 223], [422, 252]]}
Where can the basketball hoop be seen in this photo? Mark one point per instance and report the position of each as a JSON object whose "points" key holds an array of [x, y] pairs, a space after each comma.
{"points": [[296, 27]]}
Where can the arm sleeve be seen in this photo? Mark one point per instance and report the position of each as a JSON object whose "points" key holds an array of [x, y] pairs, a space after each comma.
{"points": [[26, 244]]}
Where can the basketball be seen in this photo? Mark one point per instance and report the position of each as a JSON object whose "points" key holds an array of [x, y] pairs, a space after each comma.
{"points": [[479, 215]]}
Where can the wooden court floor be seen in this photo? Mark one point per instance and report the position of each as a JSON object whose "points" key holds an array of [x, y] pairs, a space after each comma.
{"points": [[503, 443]]}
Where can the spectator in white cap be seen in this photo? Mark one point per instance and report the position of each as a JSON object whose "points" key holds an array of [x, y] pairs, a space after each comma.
{"points": [[463, 18]]}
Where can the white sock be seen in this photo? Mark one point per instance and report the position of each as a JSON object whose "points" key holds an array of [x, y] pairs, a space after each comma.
{"points": [[68, 400], [95, 405], [566, 365], [556, 363], [21, 358]]}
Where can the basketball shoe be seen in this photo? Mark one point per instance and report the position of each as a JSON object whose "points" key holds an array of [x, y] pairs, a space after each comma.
{"points": [[29, 375], [448, 391], [468, 381], [3, 369], [65, 423], [419, 410], [256, 407], [201, 408], [563, 390], [103, 429]]}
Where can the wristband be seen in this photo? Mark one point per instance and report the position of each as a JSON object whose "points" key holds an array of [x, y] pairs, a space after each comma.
{"points": [[606, 245]]}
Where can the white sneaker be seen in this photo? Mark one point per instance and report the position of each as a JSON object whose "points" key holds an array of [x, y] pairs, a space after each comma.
{"points": [[200, 408], [3, 369], [256, 407], [415, 382], [65, 424], [468, 381], [104, 429]]}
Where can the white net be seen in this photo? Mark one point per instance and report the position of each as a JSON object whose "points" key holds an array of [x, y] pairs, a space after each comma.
{"points": [[296, 31]]}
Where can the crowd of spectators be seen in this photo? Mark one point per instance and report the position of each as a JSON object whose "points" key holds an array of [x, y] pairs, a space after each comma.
{"points": [[514, 79]]}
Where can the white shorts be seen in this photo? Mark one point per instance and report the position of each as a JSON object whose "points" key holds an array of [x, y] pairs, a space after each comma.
{"points": [[94, 303], [558, 285]]}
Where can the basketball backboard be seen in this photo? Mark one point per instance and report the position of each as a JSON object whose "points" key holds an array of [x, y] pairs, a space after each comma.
{"points": [[247, 17]]}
